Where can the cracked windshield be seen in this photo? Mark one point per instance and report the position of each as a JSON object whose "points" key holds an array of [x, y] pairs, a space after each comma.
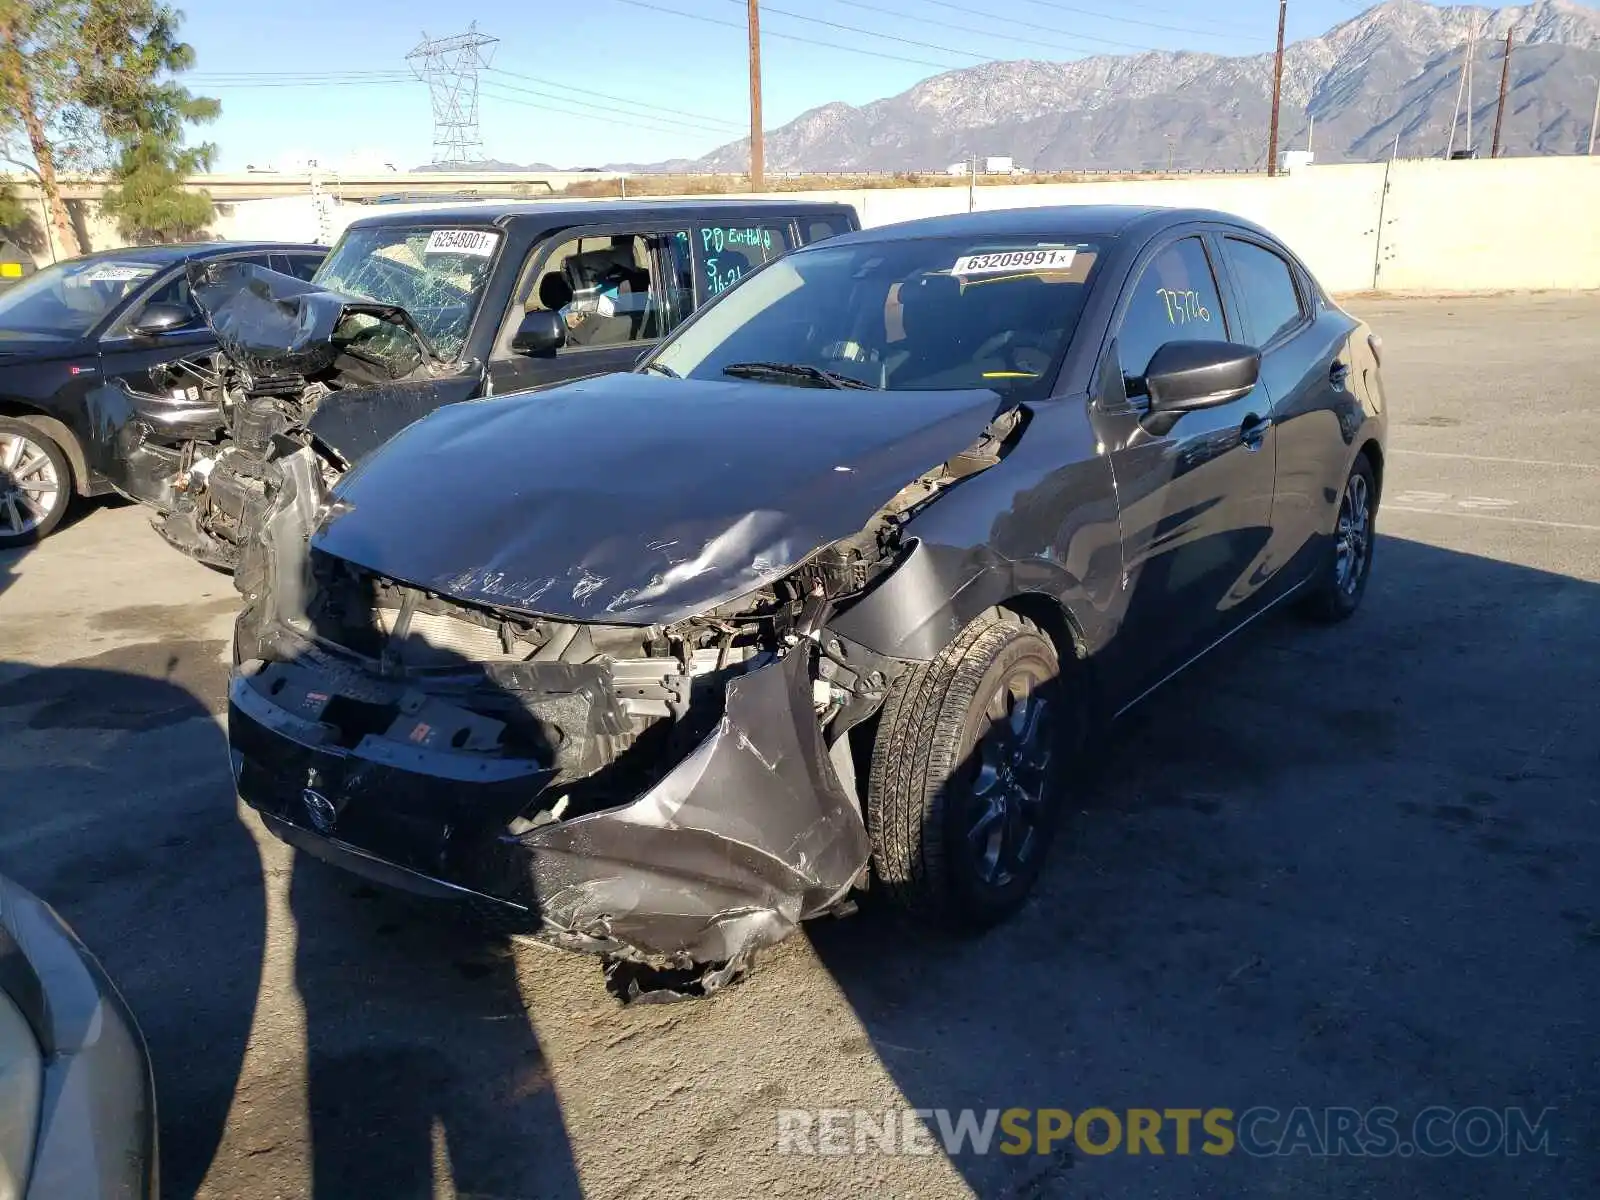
{"points": [[436, 274]]}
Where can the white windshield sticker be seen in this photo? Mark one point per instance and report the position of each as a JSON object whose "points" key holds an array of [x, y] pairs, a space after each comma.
{"points": [[118, 272], [478, 242], [1001, 261]]}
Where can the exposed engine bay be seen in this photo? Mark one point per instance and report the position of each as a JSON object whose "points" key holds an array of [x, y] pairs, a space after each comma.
{"points": [[675, 795], [285, 347]]}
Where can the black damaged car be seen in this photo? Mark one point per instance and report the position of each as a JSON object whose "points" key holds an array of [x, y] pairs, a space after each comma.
{"points": [[824, 596], [99, 385], [416, 309]]}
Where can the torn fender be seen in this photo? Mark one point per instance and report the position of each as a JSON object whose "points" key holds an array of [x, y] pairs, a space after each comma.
{"points": [[271, 324], [637, 499]]}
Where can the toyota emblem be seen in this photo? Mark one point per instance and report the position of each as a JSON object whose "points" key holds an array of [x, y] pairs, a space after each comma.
{"points": [[320, 809]]}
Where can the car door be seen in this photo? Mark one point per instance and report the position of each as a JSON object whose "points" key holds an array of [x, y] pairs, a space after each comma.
{"points": [[1195, 497], [618, 290], [1305, 366]]}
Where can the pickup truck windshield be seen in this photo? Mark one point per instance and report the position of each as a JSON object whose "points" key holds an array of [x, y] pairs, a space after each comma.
{"points": [[436, 274], [936, 314]]}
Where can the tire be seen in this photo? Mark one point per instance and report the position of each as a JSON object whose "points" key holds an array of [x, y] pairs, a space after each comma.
{"points": [[35, 484], [937, 749], [1335, 593]]}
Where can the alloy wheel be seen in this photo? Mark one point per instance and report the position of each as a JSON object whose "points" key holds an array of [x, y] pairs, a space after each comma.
{"points": [[1011, 773], [1354, 535], [30, 487]]}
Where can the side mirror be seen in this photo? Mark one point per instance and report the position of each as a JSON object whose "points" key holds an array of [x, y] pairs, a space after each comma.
{"points": [[541, 332], [162, 318], [1185, 376]]}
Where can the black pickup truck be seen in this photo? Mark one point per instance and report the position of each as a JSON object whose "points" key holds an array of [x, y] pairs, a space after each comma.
{"points": [[417, 309]]}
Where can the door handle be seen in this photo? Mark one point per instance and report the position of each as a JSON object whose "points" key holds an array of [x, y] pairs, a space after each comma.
{"points": [[1254, 431], [1338, 373]]}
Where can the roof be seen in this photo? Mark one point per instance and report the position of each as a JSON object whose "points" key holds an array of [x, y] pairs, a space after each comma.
{"points": [[1074, 220], [172, 252], [556, 213]]}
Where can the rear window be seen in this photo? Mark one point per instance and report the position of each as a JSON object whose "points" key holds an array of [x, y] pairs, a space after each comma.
{"points": [[937, 314]]}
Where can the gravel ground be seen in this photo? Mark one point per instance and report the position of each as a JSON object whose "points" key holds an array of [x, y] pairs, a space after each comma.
{"points": [[1345, 867]]}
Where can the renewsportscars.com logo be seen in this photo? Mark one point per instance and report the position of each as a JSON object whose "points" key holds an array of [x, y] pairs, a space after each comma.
{"points": [[1262, 1132]]}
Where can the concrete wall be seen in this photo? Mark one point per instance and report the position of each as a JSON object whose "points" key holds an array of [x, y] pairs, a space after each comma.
{"points": [[1516, 223]]}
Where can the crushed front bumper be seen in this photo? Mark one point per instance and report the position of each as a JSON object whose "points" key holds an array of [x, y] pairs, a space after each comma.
{"points": [[136, 441], [725, 853]]}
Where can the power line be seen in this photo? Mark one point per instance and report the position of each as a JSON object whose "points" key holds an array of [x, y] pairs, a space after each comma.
{"points": [[568, 101], [661, 108], [632, 124], [989, 33], [888, 37], [789, 37], [1089, 12]]}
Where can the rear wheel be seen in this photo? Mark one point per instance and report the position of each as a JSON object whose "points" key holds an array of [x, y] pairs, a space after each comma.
{"points": [[35, 484], [964, 792], [1342, 579]]}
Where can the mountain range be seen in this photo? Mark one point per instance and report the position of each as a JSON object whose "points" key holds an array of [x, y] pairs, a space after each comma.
{"points": [[1393, 71]]}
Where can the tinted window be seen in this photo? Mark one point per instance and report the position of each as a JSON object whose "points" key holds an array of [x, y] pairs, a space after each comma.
{"points": [[301, 266], [612, 289], [727, 253], [1266, 284], [68, 299], [820, 228], [1175, 300], [931, 313]]}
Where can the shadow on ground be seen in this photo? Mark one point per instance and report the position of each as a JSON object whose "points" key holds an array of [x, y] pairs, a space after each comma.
{"points": [[118, 813], [1325, 868]]}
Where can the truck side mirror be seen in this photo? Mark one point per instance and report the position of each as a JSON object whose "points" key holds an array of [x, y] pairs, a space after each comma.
{"points": [[541, 332]]}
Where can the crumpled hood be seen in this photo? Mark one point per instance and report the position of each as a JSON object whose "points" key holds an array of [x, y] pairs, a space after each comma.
{"points": [[273, 324], [637, 499]]}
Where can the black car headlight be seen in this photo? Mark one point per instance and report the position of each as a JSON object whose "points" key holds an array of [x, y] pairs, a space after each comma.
{"points": [[21, 1082]]}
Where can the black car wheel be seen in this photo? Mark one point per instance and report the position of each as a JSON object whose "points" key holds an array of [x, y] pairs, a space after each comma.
{"points": [[964, 790], [35, 484], [1342, 579]]}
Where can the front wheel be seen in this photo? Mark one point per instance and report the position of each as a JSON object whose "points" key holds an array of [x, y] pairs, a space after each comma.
{"points": [[1341, 581], [964, 793], [35, 484]]}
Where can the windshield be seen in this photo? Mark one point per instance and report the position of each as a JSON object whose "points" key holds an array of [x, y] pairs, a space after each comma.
{"points": [[436, 275], [937, 314], [69, 299]]}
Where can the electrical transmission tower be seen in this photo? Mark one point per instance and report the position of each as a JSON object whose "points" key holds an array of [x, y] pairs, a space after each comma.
{"points": [[450, 66]]}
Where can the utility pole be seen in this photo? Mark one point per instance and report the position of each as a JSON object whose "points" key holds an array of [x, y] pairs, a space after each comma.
{"points": [[1500, 112], [1277, 93], [758, 150], [1455, 113], [1594, 120], [1472, 44]]}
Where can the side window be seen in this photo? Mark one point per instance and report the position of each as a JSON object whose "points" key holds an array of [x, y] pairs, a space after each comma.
{"points": [[1175, 299], [1271, 303], [819, 228], [727, 253], [612, 289], [301, 266]]}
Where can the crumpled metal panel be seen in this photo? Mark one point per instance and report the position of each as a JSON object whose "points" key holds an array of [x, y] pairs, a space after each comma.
{"points": [[273, 324], [748, 835], [633, 499]]}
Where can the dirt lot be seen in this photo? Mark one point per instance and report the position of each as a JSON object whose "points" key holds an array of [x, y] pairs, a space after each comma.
{"points": [[1346, 867]]}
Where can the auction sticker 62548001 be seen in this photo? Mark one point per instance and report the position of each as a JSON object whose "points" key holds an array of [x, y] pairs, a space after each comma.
{"points": [[478, 242]]}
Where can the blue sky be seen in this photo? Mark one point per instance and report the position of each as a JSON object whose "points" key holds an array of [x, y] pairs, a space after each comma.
{"points": [[303, 78]]}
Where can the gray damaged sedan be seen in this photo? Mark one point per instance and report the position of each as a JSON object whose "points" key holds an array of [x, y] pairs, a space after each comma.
{"points": [[77, 1102], [823, 595]]}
